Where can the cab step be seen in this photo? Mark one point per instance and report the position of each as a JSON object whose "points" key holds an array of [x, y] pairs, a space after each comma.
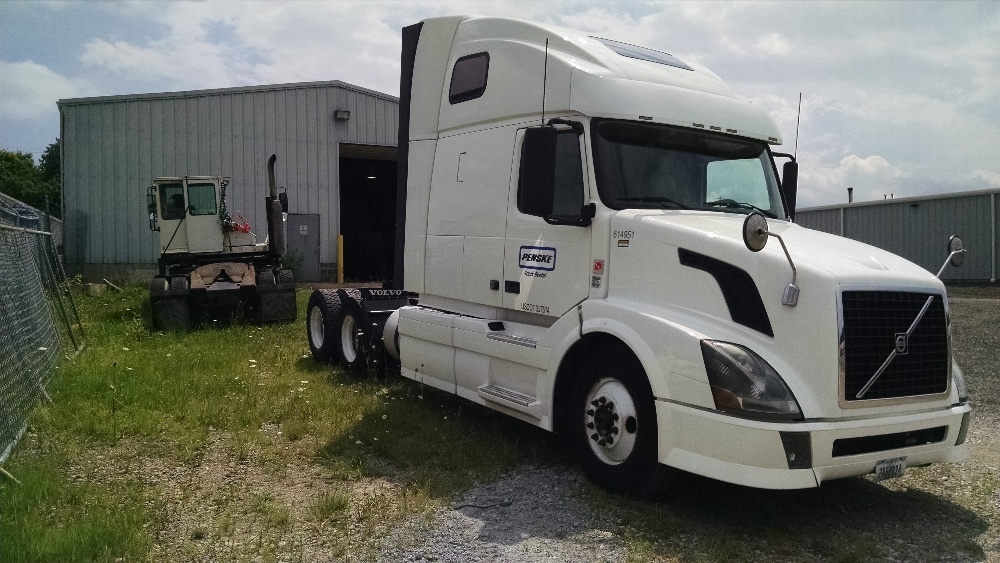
{"points": [[518, 401]]}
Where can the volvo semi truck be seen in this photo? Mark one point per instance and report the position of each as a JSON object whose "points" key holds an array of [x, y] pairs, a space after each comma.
{"points": [[583, 244]]}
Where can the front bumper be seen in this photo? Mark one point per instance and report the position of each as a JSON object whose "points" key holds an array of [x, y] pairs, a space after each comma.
{"points": [[753, 453]]}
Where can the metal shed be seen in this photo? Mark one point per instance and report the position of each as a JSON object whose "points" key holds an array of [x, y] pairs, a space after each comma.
{"points": [[326, 135], [918, 229]]}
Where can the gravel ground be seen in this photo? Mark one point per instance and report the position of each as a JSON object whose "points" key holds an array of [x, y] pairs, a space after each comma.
{"points": [[942, 513], [533, 517]]}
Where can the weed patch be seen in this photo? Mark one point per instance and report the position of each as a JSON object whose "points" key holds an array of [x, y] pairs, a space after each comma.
{"points": [[230, 442]]}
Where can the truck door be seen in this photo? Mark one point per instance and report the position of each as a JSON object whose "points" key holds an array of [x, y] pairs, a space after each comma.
{"points": [[547, 266], [204, 230], [173, 203]]}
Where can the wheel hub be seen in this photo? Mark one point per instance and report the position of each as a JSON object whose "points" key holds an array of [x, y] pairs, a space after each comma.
{"points": [[316, 327], [349, 339], [610, 420]]}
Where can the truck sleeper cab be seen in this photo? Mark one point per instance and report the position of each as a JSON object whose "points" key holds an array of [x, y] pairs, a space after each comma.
{"points": [[588, 272]]}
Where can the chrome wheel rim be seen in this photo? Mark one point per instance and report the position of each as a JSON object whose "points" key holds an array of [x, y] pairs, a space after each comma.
{"points": [[610, 420], [316, 328], [349, 339]]}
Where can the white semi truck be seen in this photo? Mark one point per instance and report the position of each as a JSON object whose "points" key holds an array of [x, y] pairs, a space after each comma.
{"points": [[583, 228]]}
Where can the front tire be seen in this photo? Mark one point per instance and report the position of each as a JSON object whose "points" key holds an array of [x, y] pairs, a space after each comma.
{"points": [[613, 424], [321, 325]]}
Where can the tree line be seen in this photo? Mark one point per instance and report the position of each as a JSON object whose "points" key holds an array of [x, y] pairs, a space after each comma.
{"points": [[21, 178]]}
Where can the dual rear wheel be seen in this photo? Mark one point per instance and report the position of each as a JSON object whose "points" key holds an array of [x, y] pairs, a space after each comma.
{"points": [[334, 331]]}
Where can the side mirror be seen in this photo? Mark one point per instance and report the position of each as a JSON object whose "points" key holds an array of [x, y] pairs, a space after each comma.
{"points": [[755, 232], [587, 213], [956, 253], [537, 178], [790, 185], [283, 198]]}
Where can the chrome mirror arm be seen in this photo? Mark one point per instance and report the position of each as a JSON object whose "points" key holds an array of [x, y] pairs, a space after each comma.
{"points": [[787, 255], [755, 234], [791, 295], [960, 252]]}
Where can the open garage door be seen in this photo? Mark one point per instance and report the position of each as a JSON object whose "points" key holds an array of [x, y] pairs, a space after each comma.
{"points": [[368, 211]]}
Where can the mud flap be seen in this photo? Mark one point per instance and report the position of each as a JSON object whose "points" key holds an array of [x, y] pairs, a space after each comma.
{"points": [[277, 302]]}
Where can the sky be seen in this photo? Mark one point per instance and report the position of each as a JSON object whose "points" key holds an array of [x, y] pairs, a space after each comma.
{"points": [[898, 98]]}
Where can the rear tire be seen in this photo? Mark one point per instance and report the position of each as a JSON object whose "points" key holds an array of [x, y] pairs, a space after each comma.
{"points": [[353, 346], [179, 283], [322, 330], [612, 424], [170, 311], [265, 277]]}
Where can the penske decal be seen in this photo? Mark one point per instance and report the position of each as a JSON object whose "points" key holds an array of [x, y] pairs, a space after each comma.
{"points": [[537, 258]]}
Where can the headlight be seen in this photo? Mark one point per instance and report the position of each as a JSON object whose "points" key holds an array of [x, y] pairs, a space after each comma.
{"points": [[959, 377], [743, 383]]}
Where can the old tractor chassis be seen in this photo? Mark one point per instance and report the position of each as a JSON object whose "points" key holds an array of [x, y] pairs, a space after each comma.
{"points": [[190, 287]]}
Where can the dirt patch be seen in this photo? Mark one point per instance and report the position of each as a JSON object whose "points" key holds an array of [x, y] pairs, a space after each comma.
{"points": [[232, 504]]}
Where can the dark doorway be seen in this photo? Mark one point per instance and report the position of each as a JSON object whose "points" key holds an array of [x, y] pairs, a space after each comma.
{"points": [[368, 211]]}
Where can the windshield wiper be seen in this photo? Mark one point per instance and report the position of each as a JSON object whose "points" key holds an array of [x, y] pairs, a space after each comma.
{"points": [[655, 199], [733, 204]]}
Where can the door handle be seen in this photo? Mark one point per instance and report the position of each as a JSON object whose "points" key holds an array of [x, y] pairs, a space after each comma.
{"points": [[511, 286]]}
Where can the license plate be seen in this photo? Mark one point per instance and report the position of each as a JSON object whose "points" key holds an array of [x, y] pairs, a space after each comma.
{"points": [[889, 468]]}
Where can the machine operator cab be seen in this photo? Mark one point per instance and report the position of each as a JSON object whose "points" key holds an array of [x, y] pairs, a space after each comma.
{"points": [[186, 213]]}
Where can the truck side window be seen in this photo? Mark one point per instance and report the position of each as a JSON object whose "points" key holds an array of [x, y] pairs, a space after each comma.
{"points": [[172, 201], [201, 198], [468, 79], [568, 198]]}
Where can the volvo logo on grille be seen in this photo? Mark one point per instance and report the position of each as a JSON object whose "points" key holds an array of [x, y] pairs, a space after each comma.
{"points": [[902, 343]]}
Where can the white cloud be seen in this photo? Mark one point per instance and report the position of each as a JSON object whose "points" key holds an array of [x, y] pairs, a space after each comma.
{"points": [[29, 90], [773, 44], [871, 177], [990, 177]]}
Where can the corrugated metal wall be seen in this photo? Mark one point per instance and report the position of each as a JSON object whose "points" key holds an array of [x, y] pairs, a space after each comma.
{"points": [[918, 229], [113, 147]]}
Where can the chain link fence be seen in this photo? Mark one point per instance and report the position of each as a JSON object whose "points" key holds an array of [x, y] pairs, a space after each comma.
{"points": [[37, 315]]}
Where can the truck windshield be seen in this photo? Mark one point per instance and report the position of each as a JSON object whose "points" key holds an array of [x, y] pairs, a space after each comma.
{"points": [[650, 166]]}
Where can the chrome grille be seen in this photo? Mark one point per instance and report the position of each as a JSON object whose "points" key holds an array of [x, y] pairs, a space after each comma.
{"points": [[873, 322]]}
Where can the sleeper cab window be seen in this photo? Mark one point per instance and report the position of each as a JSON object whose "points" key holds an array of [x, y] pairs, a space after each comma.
{"points": [[468, 79]]}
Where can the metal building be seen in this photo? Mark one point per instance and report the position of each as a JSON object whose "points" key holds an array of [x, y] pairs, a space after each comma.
{"points": [[336, 149], [918, 229]]}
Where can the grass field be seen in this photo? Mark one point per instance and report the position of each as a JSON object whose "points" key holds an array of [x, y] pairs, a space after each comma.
{"points": [[229, 443], [139, 403]]}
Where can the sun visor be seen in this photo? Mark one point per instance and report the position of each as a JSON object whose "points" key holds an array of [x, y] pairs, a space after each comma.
{"points": [[618, 98]]}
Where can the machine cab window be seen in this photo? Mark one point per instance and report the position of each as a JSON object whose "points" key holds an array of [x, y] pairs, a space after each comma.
{"points": [[201, 198], [172, 201]]}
